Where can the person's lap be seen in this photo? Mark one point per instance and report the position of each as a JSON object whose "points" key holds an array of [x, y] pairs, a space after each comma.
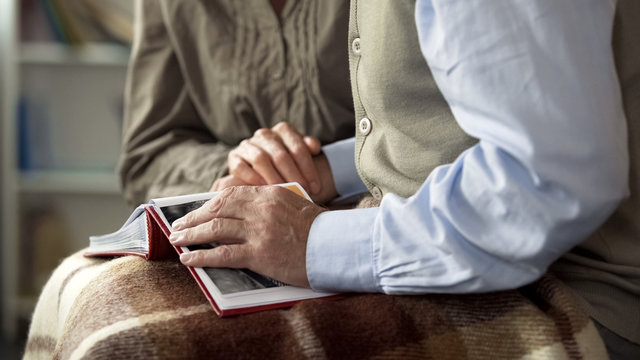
{"points": [[138, 308]]}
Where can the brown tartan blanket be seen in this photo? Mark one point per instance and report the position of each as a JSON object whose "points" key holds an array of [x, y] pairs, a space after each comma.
{"points": [[132, 308]]}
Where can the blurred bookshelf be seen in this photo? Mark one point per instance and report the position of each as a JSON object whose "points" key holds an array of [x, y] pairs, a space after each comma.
{"points": [[92, 54], [63, 67], [69, 182]]}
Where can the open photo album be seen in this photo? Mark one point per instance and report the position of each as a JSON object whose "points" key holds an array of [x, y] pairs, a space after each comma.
{"points": [[230, 291]]}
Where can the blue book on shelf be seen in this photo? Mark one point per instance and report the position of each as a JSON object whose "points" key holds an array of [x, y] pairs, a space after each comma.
{"points": [[24, 148], [34, 135]]}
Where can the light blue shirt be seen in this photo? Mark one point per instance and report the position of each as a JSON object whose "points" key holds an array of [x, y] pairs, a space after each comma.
{"points": [[535, 82]]}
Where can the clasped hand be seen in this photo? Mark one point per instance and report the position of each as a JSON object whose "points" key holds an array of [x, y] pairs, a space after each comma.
{"points": [[278, 155]]}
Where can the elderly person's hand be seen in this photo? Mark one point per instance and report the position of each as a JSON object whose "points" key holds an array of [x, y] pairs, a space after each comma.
{"points": [[277, 155], [262, 228]]}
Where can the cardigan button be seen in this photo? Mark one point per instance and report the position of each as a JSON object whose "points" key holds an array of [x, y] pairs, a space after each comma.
{"points": [[355, 46], [365, 126]]}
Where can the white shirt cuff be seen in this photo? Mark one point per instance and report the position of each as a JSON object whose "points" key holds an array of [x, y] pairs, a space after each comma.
{"points": [[340, 253]]}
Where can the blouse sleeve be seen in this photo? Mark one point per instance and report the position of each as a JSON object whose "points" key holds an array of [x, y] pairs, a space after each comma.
{"points": [[167, 149]]}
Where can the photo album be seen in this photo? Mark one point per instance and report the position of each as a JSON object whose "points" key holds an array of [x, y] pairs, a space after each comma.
{"points": [[230, 291]]}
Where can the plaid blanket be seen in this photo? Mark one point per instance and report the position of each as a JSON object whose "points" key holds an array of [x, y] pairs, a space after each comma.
{"points": [[132, 308]]}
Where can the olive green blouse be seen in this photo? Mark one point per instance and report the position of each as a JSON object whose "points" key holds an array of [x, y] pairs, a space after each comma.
{"points": [[206, 74]]}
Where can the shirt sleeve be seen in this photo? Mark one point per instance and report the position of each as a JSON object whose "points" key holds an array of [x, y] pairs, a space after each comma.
{"points": [[343, 168], [535, 82]]}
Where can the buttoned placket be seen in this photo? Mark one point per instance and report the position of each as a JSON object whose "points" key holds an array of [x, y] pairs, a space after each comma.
{"points": [[364, 124], [278, 73]]}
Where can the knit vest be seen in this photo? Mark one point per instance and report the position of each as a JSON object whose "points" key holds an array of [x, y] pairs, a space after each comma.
{"points": [[400, 113], [401, 116]]}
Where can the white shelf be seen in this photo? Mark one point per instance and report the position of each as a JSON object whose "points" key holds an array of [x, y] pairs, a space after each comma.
{"points": [[72, 182], [50, 53]]}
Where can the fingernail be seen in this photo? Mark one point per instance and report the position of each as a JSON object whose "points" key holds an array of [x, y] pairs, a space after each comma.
{"points": [[185, 257], [178, 224], [176, 236], [315, 188]]}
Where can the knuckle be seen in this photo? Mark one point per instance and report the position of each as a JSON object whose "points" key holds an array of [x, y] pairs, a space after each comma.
{"points": [[226, 194], [283, 125], [290, 130], [187, 235], [261, 157], [190, 218], [225, 254], [233, 158], [262, 133], [215, 226], [214, 205]]}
